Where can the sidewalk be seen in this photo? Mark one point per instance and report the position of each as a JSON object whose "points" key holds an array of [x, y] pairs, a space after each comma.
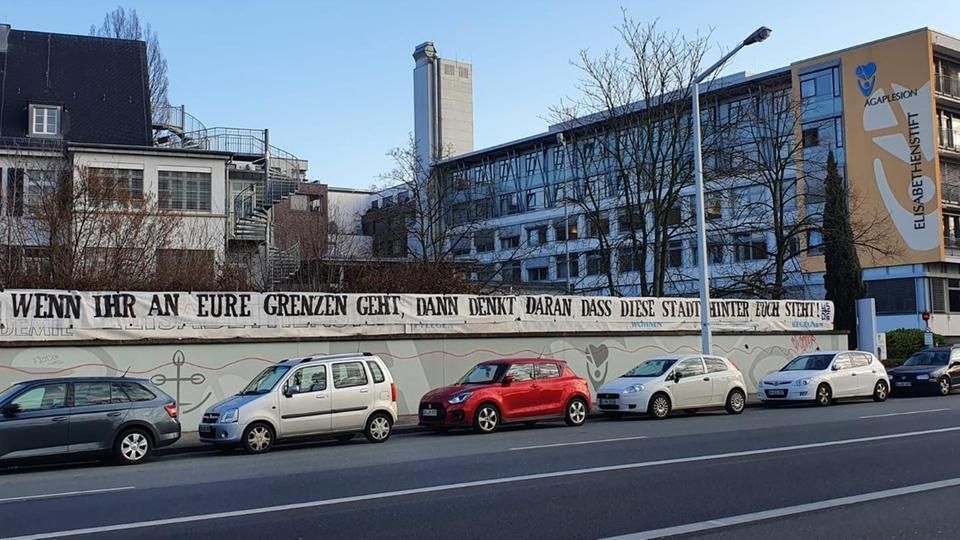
{"points": [[190, 440]]}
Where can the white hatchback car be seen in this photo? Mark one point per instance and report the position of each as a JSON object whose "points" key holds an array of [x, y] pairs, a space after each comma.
{"points": [[823, 377], [683, 382]]}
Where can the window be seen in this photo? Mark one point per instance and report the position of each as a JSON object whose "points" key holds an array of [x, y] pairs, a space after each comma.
{"points": [[41, 186], [530, 160], [598, 188], [510, 272], [843, 361], [349, 374], [597, 263], [483, 208], [566, 230], [537, 236], [674, 215], [715, 251], [91, 394], [541, 273], [899, 296], [460, 247], [534, 199], [749, 247], [483, 240], [136, 392], [376, 372], [811, 137], [509, 242], [691, 367], [598, 224], [44, 120], [14, 192], [814, 242], [628, 259], [713, 207], [808, 88], [460, 213], [715, 365], [562, 192], [629, 219], [509, 204], [561, 262], [861, 360], [180, 190], [42, 398], [521, 372], [310, 379], [548, 371], [674, 254]]}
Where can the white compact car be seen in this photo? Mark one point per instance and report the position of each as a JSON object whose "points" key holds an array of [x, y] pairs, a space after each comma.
{"points": [[337, 394], [666, 383], [823, 377]]}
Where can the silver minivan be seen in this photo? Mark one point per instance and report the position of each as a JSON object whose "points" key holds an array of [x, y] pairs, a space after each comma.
{"points": [[339, 395]]}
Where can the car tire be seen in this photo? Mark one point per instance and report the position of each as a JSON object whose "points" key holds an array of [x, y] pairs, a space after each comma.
{"points": [[486, 419], [943, 386], [736, 401], [824, 396], [576, 412], [345, 437], [659, 407], [379, 427], [258, 438], [881, 391], [133, 446]]}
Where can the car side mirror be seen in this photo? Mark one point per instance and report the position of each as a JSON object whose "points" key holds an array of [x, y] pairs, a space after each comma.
{"points": [[954, 364], [508, 380], [677, 376], [11, 409], [291, 389], [835, 367]]}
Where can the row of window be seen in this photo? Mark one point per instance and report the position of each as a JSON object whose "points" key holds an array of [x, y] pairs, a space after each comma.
{"points": [[345, 375], [85, 394]]}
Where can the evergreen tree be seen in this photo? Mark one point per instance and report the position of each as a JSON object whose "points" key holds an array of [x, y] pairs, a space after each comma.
{"points": [[843, 278]]}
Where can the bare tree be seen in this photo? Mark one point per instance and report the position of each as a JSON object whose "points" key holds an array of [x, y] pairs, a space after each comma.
{"points": [[123, 24]]}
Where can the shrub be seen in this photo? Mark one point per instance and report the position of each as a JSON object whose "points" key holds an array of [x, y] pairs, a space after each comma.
{"points": [[903, 342]]}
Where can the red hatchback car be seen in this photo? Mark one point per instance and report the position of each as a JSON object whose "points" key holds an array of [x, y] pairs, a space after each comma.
{"points": [[509, 390]]}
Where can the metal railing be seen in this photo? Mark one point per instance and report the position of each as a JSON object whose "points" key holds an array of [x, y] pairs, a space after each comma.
{"points": [[948, 85], [243, 205], [176, 119]]}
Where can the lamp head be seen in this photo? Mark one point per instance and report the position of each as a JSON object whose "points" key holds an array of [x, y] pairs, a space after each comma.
{"points": [[757, 36]]}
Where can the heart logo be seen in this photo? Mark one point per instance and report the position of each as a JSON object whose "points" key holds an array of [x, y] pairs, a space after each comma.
{"points": [[866, 78], [598, 354]]}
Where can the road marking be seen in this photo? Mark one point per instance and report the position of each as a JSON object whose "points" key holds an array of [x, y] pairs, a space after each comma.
{"points": [[743, 519], [578, 442], [473, 484], [65, 494], [903, 413]]}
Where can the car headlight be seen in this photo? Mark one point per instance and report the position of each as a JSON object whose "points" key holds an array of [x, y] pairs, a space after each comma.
{"points": [[923, 377], [459, 398], [802, 382], [761, 383], [633, 389], [230, 416]]}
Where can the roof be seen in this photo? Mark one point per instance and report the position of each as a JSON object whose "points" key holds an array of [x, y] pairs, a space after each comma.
{"points": [[116, 378], [155, 150], [101, 83], [526, 360]]}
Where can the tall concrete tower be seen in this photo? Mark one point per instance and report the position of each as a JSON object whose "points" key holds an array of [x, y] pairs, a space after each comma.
{"points": [[442, 105]]}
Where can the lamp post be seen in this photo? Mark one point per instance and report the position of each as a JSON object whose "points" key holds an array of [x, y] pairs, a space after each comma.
{"points": [[706, 337]]}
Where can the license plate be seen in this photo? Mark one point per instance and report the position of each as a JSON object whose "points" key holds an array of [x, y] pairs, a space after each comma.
{"points": [[205, 430], [429, 412], [776, 393], [903, 383], [607, 401]]}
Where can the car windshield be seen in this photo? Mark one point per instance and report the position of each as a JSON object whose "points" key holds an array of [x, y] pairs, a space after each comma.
{"points": [[809, 362], [651, 368], [265, 381], [10, 391], [483, 374], [928, 358]]}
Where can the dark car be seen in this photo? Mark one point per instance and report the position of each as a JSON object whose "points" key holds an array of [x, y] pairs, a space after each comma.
{"points": [[509, 390], [91, 415], [930, 370]]}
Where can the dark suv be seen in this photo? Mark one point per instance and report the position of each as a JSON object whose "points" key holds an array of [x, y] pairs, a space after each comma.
{"points": [[118, 415]]}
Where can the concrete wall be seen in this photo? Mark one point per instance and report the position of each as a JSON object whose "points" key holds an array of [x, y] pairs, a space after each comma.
{"points": [[199, 374]]}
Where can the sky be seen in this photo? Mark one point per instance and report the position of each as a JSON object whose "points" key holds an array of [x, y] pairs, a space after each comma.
{"points": [[333, 81]]}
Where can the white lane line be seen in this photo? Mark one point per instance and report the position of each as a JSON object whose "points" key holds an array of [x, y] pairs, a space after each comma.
{"points": [[903, 413], [578, 443], [65, 494], [473, 484], [743, 519]]}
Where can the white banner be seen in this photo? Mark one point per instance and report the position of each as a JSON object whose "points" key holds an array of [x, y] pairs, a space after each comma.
{"points": [[44, 315]]}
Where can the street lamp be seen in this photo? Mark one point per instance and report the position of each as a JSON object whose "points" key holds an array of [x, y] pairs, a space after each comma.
{"points": [[706, 337]]}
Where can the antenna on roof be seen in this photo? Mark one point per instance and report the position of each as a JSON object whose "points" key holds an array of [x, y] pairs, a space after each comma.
{"points": [[543, 350], [125, 372]]}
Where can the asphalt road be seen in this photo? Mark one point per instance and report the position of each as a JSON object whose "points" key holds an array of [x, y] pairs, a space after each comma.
{"points": [[854, 470]]}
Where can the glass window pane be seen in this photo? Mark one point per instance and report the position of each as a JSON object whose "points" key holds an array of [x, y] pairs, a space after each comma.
{"points": [[90, 394], [376, 372], [520, 372], [349, 374], [42, 398], [311, 379]]}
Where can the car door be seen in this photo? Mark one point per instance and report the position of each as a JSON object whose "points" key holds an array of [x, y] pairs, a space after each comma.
{"points": [[521, 397], [41, 426], [695, 388], [352, 395], [305, 403], [866, 369], [96, 412], [721, 379], [843, 377], [551, 383]]}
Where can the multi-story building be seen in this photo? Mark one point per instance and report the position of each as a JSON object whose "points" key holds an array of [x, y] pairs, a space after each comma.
{"points": [[889, 112]]}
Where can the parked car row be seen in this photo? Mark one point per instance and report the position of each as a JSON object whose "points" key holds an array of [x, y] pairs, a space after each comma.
{"points": [[349, 394]]}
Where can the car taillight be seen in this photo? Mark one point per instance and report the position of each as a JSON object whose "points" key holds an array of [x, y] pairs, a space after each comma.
{"points": [[393, 391], [171, 409]]}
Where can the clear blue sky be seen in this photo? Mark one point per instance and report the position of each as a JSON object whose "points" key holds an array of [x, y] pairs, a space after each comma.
{"points": [[332, 80]]}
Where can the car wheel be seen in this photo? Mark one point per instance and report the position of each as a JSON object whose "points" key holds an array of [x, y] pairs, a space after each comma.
{"points": [[824, 396], [379, 427], [345, 437], [736, 401], [133, 446], [881, 391], [943, 386], [576, 413], [659, 406], [486, 419], [258, 438]]}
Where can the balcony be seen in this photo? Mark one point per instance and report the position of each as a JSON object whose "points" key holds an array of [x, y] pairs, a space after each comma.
{"points": [[948, 85], [950, 140]]}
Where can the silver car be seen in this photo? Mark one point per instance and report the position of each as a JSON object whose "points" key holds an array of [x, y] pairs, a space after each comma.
{"points": [[339, 395]]}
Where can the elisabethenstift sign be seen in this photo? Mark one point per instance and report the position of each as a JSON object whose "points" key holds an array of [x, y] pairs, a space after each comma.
{"points": [[43, 315]]}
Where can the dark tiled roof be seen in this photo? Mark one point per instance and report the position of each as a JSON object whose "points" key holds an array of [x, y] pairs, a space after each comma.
{"points": [[101, 84]]}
